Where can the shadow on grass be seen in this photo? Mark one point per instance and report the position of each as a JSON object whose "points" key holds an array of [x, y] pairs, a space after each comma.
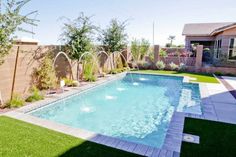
{"points": [[90, 149]]}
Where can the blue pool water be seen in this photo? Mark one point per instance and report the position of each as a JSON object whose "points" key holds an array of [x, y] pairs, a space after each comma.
{"points": [[135, 108]]}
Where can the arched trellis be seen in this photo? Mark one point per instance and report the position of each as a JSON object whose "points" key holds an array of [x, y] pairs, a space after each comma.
{"points": [[68, 59]]}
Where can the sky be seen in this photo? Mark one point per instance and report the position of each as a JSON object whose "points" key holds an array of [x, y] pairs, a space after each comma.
{"points": [[169, 16]]}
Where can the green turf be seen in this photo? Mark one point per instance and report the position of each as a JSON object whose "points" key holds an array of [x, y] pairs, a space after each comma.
{"points": [[18, 138], [216, 139], [207, 78]]}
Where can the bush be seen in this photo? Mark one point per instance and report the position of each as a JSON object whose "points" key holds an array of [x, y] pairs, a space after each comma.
{"points": [[173, 66], [45, 75], [16, 101], [89, 74], [119, 63], [70, 82], [218, 73], [162, 53], [160, 65], [182, 67], [35, 96], [144, 65], [113, 71]]}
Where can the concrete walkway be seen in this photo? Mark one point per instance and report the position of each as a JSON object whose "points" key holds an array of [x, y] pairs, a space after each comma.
{"points": [[218, 103], [230, 80]]}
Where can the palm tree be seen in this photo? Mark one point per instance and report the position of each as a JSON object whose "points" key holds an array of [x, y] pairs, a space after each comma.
{"points": [[171, 38]]}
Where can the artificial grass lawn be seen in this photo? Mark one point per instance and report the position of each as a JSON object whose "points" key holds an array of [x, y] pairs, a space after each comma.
{"points": [[216, 139], [18, 138], [207, 78]]}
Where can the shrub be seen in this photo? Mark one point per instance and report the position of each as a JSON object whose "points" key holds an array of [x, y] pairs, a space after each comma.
{"points": [[143, 64], [90, 78], [218, 73], [182, 67], [70, 82], [162, 53], [119, 63], [173, 66], [88, 72], [45, 75], [16, 101], [35, 96], [160, 65], [113, 71]]}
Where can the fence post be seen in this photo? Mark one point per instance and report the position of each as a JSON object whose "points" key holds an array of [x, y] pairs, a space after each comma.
{"points": [[198, 63], [156, 53]]}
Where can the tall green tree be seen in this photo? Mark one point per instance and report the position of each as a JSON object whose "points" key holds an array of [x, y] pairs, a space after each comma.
{"points": [[11, 20], [114, 37], [78, 36]]}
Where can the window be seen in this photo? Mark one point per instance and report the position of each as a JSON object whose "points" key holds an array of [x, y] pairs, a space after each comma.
{"points": [[232, 49], [217, 48]]}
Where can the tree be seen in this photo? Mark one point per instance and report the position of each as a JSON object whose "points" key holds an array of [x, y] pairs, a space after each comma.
{"points": [[144, 47], [77, 36], [114, 37], [11, 20], [171, 39], [135, 49], [139, 48]]}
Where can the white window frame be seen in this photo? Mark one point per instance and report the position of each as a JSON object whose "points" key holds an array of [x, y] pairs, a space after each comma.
{"points": [[232, 60]]}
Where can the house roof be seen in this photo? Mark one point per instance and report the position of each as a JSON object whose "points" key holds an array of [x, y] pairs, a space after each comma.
{"points": [[206, 29]]}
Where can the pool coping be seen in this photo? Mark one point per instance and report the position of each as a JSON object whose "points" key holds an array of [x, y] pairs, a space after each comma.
{"points": [[173, 139]]}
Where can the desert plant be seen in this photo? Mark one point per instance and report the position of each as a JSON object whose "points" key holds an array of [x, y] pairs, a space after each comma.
{"points": [[16, 101], [160, 65], [182, 67], [135, 49], [162, 53], [114, 71], [119, 63], [10, 21], [139, 49], [35, 95], [70, 82], [218, 73], [144, 65], [89, 71], [173, 66], [45, 76], [144, 47]]}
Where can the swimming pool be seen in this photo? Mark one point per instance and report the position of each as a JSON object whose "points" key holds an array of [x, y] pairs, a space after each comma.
{"points": [[136, 108]]}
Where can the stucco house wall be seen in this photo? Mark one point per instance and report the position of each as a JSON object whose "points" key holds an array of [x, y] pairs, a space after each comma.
{"points": [[225, 34]]}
